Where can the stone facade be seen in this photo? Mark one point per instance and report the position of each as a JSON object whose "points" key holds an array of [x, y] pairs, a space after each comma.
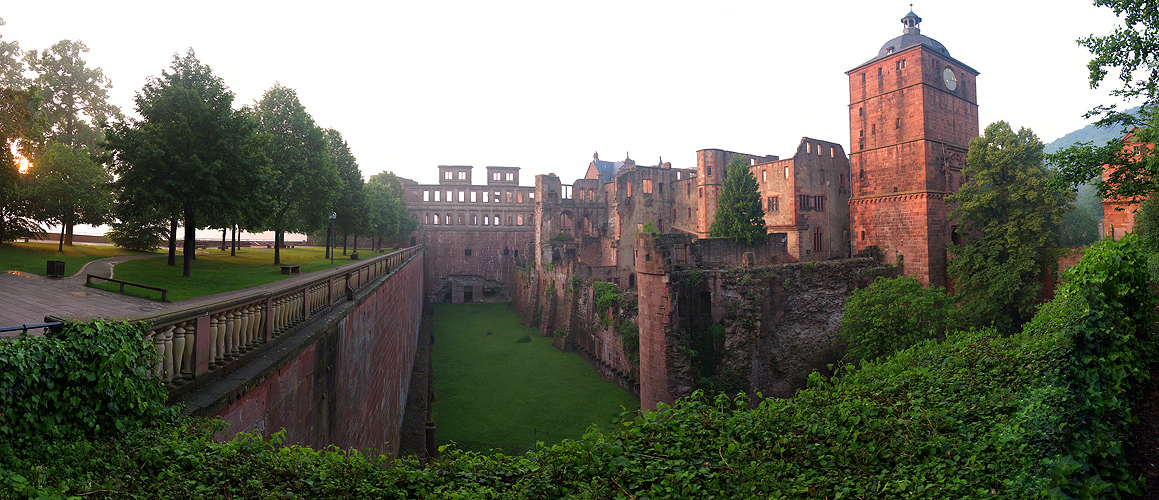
{"points": [[912, 112], [471, 232]]}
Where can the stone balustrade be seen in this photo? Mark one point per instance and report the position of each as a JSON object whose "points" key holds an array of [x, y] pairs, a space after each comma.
{"points": [[208, 340]]}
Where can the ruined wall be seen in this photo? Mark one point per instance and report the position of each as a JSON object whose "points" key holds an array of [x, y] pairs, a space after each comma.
{"points": [[561, 303], [754, 328], [344, 382]]}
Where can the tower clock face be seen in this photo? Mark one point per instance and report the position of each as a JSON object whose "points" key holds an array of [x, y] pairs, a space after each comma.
{"points": [[950, 79]]}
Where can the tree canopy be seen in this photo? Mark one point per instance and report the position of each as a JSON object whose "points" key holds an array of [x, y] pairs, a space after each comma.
{"points": [[1007, 218], [739, 214], [76, 97], [1131, 52], [70, 187], [303, 181], [191, 151]]}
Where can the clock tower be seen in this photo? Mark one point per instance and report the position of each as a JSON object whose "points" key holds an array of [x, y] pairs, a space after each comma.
{"points": [[912, 112]]}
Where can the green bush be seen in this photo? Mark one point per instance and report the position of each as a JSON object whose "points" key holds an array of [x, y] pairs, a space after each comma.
{"points": [[607, 296], [892, 314], [89, 381]]}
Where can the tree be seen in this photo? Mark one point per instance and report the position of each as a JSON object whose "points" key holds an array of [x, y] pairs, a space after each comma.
{"points": [[303, 181], [75, 97], [893, 314], [190, 152], [350, 205], [11, 65], [739, 214], [1008, 218], [19, 124], [70, 187], [389, 217]]}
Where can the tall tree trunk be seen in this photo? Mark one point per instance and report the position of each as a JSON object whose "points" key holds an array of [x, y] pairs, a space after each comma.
{"points": [[173, 240], [278, 246], [60, 247], [329, 243], [344, 238], [223, 239], [190, 241], [68, 232], [355, 244], [233, 247]]}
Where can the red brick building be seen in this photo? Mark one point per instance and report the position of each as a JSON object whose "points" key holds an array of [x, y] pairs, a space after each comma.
{"points": [[912, 112], [1119, 215]]}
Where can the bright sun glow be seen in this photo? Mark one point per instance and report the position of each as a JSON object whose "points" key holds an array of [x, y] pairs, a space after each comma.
{"points": [[22, 163]]}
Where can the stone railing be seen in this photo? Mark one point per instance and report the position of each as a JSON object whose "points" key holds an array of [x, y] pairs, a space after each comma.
{"points": [[206, 341]]}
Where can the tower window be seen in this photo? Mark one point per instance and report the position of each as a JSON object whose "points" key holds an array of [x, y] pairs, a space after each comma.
{"points": [[860, 111], [897, 123], [467, 252], [710, 170], [774, 203], [879, 69], [462, 176], [873, 129]]}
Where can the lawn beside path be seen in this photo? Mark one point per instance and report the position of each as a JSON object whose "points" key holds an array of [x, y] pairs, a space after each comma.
{"points": [[215, 271], [33, 257], [493, 391]]}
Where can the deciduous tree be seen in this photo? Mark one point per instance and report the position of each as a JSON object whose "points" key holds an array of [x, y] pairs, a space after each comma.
{"points": [[18, 127], [739, 214], [1008, 217], [303, 181], [350, 205], [388, 214], [190, 150], [70, 187]]}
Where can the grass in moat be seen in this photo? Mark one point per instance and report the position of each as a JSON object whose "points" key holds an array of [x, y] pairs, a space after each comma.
{"points": [[493, 392], [33, 257], [215, 271]]}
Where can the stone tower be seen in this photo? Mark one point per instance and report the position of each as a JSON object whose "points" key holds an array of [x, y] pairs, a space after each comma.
{"points": [[912, 112]]}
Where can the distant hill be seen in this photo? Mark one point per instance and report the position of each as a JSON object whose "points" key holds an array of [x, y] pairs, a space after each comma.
{"points": [[1089, 133]]}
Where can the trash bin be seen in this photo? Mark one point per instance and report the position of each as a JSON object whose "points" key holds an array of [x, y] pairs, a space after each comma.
{"points": [[56, 268]]}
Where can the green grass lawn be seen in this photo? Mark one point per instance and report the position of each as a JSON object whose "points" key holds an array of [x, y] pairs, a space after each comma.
{"points": [[492, 392], [33, 257], [216, 271]]}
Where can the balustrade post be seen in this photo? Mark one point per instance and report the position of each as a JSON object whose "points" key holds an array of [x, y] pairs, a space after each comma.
{"points": [[187, 361], [159, 344], [167, 361], [218, 325], [178, 352], [231, 337]]}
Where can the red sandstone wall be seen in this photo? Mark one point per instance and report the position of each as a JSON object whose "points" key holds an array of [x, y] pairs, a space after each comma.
{"points": [[446, 252], [348, 388]]}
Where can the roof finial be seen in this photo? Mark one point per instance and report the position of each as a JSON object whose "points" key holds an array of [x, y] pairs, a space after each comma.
{"points": [[911, 22]]}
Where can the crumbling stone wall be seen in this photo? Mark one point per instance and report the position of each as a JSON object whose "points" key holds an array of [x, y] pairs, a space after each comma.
{"points": [[748, 327]]}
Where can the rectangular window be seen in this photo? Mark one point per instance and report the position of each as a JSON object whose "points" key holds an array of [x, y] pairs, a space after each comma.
{"points": [[710, 170], [447, 175], [495, 176], [448, 219], [474, 198], [426, 196], [462, 196], [819, 203], [689, 212], [438, 195], [897, 123], [520, 197], [496, 198], [462, 176], [629, 188], [460, 219], [510, 176], [808, 148], [486, 196], [786, 172], [774, 204], [450, 196], [436, 219], [509, 197], [764, 175], [496, 220], [700, 192], [486, 221], [530, 196], [467, 252], [647, 185], [519, 219], [805, 201], [427, 219], [831, 152], [508, 220], [661, 188]]}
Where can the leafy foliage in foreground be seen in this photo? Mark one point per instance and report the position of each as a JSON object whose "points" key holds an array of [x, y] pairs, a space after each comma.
{"points": [[892, 314], [1041, 413]]}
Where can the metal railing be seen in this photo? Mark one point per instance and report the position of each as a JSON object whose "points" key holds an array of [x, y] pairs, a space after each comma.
{"points": [[210, 339]]}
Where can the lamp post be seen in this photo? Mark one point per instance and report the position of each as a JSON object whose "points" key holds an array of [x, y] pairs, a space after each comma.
{"points": [[331, 238]]}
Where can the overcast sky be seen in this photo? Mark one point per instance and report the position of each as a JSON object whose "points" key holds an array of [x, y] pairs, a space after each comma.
{"points": [[541, 85]]}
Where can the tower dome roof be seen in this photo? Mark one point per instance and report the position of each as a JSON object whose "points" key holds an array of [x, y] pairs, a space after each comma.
{"points": [[910, 36]]}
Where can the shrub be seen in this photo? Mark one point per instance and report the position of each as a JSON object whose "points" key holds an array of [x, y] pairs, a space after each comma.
{"points": [[91, 380], [526, 339], [892, 314]]}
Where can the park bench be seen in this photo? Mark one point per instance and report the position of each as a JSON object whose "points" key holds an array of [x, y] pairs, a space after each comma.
{"points": [[164, 293], [291, 269]]}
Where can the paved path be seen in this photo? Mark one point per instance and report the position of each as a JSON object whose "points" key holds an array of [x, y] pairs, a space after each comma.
{"points": [[25, 299]]}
